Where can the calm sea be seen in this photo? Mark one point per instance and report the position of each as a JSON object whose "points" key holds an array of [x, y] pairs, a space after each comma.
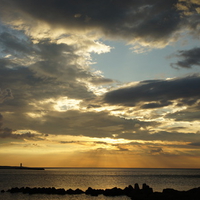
{"points": [[158, 179]]}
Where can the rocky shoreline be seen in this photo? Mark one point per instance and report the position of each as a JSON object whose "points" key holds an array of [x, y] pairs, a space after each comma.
{"points": [[135, 193]]}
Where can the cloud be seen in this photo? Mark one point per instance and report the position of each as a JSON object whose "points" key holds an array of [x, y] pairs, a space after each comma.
{"points": [[156, 105], [121, 148], [46, 68], [101, 81], [10, 42], [148, 21], [159, 93], [156, 151], [190, 58], [195, 144], [7, 133], [161, 136], [5, 94], [75, 122], [189, 114], [44, 76]]}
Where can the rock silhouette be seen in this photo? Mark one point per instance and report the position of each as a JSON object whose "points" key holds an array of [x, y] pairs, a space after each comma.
{"points": [[145, 193]]}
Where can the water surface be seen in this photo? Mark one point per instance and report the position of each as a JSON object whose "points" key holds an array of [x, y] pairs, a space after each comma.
{"points": [[158, 179]]}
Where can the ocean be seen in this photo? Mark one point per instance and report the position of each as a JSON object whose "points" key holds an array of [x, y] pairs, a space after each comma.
{"points": [[97, 178]]}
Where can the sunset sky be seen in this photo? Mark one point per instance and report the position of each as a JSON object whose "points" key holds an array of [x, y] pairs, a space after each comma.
{"points": [[100, 83]]}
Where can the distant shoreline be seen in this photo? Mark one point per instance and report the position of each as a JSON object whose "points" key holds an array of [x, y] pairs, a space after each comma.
{"points": [[22, 168]]}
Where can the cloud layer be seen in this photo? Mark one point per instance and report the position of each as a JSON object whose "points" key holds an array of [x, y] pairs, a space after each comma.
{"points": [[147, 21], [190, 58], [50, 93], [157, 93]]}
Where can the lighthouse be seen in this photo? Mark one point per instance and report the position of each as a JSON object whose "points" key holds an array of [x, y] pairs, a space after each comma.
{"points": [[21, 165]]}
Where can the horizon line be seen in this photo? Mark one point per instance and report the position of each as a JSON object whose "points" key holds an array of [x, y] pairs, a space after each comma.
{"points": [[54, 167]]}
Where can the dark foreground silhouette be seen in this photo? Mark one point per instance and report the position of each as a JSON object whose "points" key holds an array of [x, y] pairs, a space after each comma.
{"points": [[135, 193]]}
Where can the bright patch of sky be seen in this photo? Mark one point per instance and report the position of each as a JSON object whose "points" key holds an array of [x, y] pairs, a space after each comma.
{"points": [[122, 64]]}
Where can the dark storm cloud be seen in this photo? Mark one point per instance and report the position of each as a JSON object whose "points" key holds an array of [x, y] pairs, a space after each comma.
{"points": [[159, 91], [151, 20], [190, 58]]}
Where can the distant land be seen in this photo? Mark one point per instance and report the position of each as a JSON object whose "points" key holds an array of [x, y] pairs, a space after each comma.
{"points": [[21, 167]]}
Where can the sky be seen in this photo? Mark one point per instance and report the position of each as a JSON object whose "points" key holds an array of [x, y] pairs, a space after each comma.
{"points": [[104, 83]]}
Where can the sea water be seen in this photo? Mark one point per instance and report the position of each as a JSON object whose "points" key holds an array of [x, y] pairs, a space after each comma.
{"points": [[82, 178]]}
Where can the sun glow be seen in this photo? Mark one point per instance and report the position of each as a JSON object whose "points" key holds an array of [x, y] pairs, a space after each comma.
{"points": [[63, 104]]}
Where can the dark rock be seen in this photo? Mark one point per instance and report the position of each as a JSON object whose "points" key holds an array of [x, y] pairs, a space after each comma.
{"points": [[136, 187], [128, 190], [91, 191], [69, 191], [60, 191], [146, 189], [113, 192], [146, 193], [170, 191], [26, 190], [51, 190], [78, 191], [193, 194], [94, 192], [14, 190]]}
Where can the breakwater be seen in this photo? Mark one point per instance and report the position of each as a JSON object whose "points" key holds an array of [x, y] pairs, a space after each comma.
{"points": [[21, 168]]}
